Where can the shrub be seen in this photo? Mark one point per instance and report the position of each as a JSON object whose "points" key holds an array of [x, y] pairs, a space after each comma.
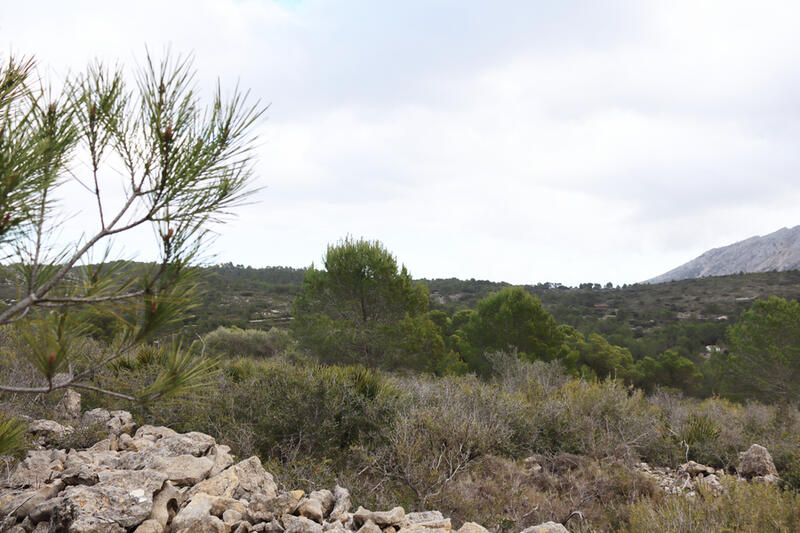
{"points": [[534, 380], [281, 410], [443, 427], [742, 507], [598, 419], [235, 342]]}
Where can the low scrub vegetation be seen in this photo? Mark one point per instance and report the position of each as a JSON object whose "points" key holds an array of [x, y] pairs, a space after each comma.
{"points": [[460, 443]]}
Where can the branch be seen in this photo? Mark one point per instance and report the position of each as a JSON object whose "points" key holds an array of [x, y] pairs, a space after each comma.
{"points": [[104, 391], [76, 301], [68, 384]]}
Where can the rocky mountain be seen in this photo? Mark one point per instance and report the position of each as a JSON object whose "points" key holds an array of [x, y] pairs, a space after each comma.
{"points": [[777, 251]]}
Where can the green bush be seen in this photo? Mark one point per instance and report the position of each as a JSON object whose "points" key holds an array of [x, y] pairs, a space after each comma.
{"points": [[12, 435], [279, 410], [235, 342]]}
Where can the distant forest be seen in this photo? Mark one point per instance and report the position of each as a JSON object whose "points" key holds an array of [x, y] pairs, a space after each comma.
{"points": [[687, 316], [688, 319]]}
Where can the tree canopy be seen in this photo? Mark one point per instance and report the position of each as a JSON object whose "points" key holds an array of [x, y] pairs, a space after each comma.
{"points": [[511, 318], [361, 307], [764, 352]]}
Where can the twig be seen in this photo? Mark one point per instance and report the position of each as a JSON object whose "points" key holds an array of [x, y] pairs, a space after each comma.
{"points": [[582, 522], [6, 522]]}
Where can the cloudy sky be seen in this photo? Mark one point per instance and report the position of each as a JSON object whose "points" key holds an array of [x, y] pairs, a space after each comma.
{"points": [[523, 141]]}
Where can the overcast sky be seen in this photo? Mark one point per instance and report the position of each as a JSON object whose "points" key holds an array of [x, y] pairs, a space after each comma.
{"points": [[524, 141]]}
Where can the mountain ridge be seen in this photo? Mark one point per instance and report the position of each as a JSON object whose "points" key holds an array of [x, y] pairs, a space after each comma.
{"points": [[778, 251]]}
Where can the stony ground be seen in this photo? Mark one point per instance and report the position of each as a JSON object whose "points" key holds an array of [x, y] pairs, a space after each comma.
{"points": [[152, 480]]}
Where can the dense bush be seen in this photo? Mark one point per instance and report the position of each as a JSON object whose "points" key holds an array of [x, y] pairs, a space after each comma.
{"points": [[235, 342], [363, 308], [598, 419]]}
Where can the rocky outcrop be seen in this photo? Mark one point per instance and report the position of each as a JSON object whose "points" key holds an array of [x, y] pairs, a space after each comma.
{"points": [[756, 464], [547, 527], [685, 479], [778, 251]]}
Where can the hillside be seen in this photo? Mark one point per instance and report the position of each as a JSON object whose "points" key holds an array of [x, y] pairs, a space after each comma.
{"points": [[685, 315], [778, 251]]}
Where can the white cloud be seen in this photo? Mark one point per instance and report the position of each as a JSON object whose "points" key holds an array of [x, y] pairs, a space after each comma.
{"points": [[522, 141]]}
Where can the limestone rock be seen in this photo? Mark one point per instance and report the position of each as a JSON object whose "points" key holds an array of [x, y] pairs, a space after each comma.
{"points": [[166, 503], [231, 516], [311, 509], [300, 524], [193, 517], [180, 469], [35, 469], [273, 526], [222, 459], [395, 517], [153, 433], [22, 503], [149, 526], [423, 517], [123, 497], [771, 479], [202, 524], [325, 498], [756, 461], [263, 509], [426, 520], [341, 505], [95, 416], [472, 527], [241, 480], [193, 443], [547, 527], [45, 510], [243, 527], [128, 443], [48, 431], [369, 527], [69, 407], [693, 469], [712, 482]]}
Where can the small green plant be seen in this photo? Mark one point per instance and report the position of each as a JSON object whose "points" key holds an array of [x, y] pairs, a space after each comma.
{"points": [[698, 432], [12, 435]]}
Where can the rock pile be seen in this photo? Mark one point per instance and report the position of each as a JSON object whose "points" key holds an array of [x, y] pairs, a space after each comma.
{"points": [[157, 480], [685, 479], [154, 480], [755, 465]]}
